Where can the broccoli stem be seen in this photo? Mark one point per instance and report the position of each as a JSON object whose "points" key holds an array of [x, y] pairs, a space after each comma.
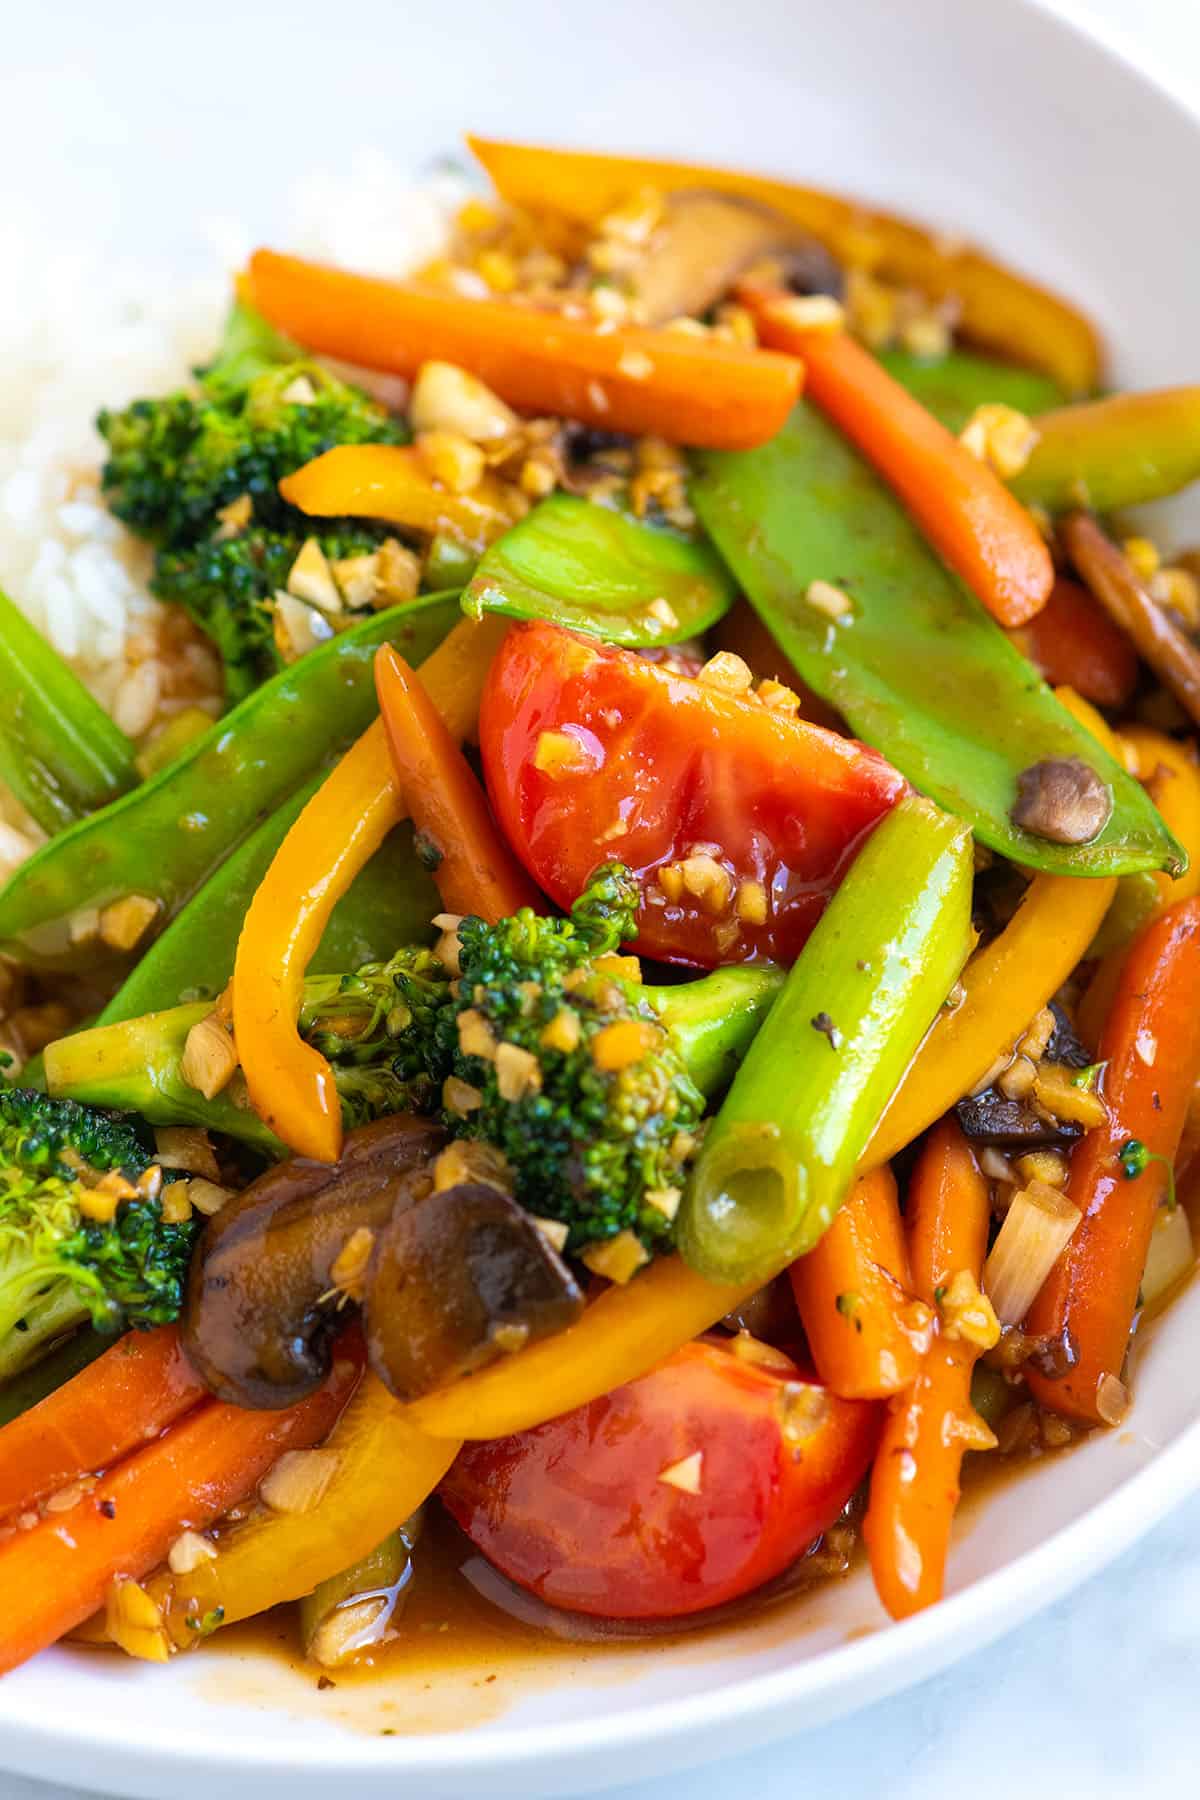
{"points": [[714, 1020]]}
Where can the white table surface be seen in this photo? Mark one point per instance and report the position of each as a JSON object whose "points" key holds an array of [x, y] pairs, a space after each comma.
{"points": [[1098, 1696]]}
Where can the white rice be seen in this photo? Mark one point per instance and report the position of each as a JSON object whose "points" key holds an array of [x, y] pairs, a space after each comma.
{"points": [[79, 332]]}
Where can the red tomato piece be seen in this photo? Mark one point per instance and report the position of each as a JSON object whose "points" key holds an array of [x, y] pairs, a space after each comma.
{"points": [[677, 1492], [739, 820]]}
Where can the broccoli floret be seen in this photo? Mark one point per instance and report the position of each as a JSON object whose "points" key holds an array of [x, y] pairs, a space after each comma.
{"points": [[580, 1086], [387, 1031], [226, 585], [60, 1266], [260, 412]]}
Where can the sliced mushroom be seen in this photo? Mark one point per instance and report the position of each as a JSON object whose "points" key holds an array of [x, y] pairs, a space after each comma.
{"points": [[1062, 800], [261, 1310], [992, 1120], [706, 240], [1112, 578], [462, 1277]]}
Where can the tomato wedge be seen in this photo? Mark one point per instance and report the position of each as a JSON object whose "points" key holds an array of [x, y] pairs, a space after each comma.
{"points": [[677, 1492], [739, 819]]}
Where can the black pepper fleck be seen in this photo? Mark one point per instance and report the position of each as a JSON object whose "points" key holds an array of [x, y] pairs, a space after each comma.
{"points": [[324, 1682], [108, 1508]]}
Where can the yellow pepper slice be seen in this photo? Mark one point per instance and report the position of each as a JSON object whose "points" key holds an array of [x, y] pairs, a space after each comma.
{"points": [[290, 1084], [997, 307], [391, 482], [383, 1469]]}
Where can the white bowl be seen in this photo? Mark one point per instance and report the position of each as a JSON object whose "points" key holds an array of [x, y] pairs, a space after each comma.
{"points": [[995, 120]]}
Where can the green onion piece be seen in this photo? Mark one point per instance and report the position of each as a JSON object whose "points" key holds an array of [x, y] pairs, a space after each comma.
{"points": [[782, 1152], [587, 566], [60, 753]]}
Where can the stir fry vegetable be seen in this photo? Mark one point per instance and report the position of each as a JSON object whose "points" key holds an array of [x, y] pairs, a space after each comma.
{"points": [[599, 571], [802, 516], [777, 1160], [60, 753], [746, 818], [159, 843]]}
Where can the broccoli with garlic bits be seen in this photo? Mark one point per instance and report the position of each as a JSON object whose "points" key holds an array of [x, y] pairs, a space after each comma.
{"points": [[197, 472], [531, 1036], [82, 1235]]}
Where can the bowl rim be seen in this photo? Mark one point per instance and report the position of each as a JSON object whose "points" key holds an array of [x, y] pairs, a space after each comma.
{"points": [[773, 1704]]}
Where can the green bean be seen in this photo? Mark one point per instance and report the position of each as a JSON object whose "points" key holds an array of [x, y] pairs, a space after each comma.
{"points": [[782, 1151], [162, 841], [60, 753]]}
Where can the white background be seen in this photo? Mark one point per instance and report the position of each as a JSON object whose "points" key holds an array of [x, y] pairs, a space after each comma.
{"points": [[1098, 1696]]}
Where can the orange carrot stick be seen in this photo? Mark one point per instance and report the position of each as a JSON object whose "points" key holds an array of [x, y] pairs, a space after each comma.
{"points": [[965, 511], [1150, 1045], [1073, 641], [136, 1389], [915, 1477], [693, 390], [56, 1574], [854, 1291], [290, 1084], [476, 871]]}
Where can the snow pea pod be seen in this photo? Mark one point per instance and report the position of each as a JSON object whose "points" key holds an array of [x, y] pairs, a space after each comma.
{"points": [[1107, 454], [597, 570], [914, 664], [391, 902], [164, 839], [60, 753], [781, 1154], [952, 386]]}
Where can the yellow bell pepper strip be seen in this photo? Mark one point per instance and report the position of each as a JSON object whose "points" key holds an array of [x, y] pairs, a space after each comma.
{"points": [[962, 507], [1171, 774], [623, 1332], [476, 871], [356, 481], [290, 1084], [1004, 985], [1109, 454], [692, 390], [383, 1468], [996, 306]]}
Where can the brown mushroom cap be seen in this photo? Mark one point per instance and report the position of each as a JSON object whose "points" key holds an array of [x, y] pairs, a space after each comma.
{"points": [[1062, 800], [258, 1322], [455, 1281], [706, 240]]}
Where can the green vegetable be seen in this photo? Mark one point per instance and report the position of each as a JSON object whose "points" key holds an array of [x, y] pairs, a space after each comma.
{"points": [[165, 838], [193, 959], [1109, 454], [917, 668], [60, 753], [50, 1371], [352, 1612], [587, 1142], [952, 386], [777, 1161], [58, 1267], [259, 412], [597, 570], [227, 585]]}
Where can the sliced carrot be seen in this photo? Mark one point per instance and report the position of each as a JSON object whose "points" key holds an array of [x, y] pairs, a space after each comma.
{"points": [[1150, 1046], [693, 390], [854, 1290], [476, 871], [915, 1476], [965, 511], [60, 1569], [136, 1389], [290, 1084], [1073, 642]]}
